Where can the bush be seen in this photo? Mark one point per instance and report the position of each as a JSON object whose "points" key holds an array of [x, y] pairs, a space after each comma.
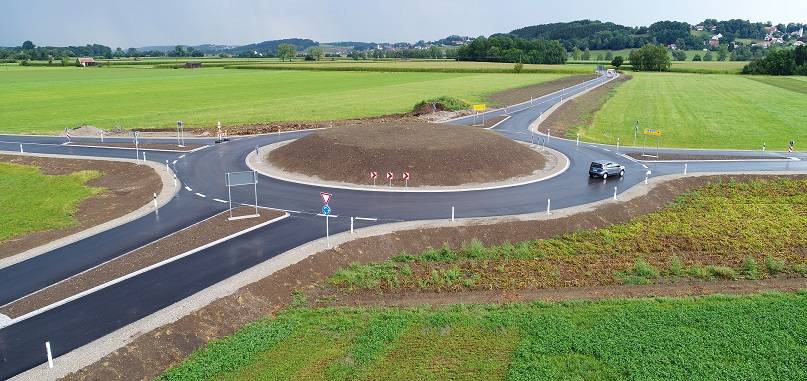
{"points": [[801, 269], [440, 104], [774, 265], [751, 269], [676, 266], [518, 67], [641, 273], [723, 272]]}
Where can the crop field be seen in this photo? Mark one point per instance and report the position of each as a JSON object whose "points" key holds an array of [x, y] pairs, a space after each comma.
{"points": [[31, 201], [47, 100], [719, 337], [702, 111], [686, 240]]}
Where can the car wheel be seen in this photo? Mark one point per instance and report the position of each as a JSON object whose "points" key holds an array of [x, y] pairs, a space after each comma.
{"points": [[622, 173], [604, 175]]}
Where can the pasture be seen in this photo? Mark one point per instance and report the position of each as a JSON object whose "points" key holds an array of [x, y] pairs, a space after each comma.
{"points": [[46, 100], [719, 337], [702, 111]]}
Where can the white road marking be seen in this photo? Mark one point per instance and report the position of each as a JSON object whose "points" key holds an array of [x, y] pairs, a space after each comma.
{"points": [[174, 162], [644, 166], [220, 200], [200, 195], [182, 156], [606, 149], [4, 320], [188, 188], [365, 219], [331, 216], [794, 158]]}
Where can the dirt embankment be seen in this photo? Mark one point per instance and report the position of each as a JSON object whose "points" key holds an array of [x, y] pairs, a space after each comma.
{"points": [[127, 188], [148, 355], [579, 112], [434, 154]]}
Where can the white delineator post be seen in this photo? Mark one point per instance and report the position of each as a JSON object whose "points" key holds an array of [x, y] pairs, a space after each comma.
{"points": [[685, 168], [614, 193], [166, 166], [175, 180], [155, 201], [21, 151], [144, 157], [617, 145], [577, 143], [50, 354], [351, 225], [548, 206], [452, 214]]}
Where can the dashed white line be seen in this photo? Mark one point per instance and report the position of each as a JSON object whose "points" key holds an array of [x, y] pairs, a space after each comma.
{"points": [[189, 189], [220, 200], [200, 195], [182, 156]]}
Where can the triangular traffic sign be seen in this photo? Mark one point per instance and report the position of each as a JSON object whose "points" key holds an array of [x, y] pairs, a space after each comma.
{"points": [[326, 197]]}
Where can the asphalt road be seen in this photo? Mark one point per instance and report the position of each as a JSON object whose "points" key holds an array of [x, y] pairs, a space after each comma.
{"points": [[83, 320]]}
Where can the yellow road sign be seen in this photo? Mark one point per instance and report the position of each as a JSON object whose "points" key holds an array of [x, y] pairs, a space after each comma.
{"points": [[652, 132], [480, 107]]}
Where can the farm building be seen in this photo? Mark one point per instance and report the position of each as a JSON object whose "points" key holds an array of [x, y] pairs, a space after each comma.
{"points": [[193, 65], [86, 61]]}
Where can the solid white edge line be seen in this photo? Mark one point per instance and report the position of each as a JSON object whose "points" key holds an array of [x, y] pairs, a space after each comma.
{"points": [[138, 272], [200, 195], [188, 188], [365, 219], [499, 122], [220, 200], [125, 148], [182, 156]]}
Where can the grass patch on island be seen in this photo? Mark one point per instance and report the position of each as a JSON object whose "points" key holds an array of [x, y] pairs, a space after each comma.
{"points": [[715, 337], [31, 201]]}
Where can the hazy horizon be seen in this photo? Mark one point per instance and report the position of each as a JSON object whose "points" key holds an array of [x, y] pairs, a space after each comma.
{"points": [[239, 22]]}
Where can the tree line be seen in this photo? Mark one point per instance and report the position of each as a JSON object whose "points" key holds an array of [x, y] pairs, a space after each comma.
{"points": [[510, 49], [780, 62]]}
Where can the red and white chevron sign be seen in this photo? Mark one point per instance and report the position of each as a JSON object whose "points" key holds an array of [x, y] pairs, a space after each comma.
{"points": [[390, 175], [373, 175], [406, 175]]}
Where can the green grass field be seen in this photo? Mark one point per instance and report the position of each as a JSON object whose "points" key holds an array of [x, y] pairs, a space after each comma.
{"points": [[703, 111], [426, 65], [47, 100], [712, 338], [31, 201]]}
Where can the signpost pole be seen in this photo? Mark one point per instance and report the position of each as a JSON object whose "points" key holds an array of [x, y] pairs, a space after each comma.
{"points": [[327, 230]]}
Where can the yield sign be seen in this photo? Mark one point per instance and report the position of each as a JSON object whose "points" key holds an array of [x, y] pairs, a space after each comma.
{"points": [[326, 197]]}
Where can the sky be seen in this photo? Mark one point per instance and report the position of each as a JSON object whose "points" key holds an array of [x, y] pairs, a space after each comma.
{"points": [[235, 22]]}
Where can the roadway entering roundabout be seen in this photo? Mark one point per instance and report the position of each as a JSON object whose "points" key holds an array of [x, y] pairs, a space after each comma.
{"points": [[202, 190]]}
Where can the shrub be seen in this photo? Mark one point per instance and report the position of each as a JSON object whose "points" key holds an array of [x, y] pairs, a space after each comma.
{"points": [[641, 273], [518, 67], [751, 269], [440, 104], [801, 269], [676, 266], [699, 272], [474, 249], [774, 265], [723, 272]]}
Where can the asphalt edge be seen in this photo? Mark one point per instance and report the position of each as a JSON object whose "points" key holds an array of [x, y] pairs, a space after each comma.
{"points": [[97, 349]]}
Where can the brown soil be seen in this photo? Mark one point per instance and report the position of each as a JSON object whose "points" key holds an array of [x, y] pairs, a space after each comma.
{"points": [[156, 146], [127, 188], [678, 289], [153, 352], [665, 156], [523, 94], [170, 246], [579, 112], [434, 154]]}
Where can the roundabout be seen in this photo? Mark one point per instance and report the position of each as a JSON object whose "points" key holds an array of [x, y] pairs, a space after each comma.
{"points": [[149, 298]]}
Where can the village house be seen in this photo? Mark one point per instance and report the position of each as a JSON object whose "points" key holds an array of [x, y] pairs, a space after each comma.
{"points": [[86, 61]]}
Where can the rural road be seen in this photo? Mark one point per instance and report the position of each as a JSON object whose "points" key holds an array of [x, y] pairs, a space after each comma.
{"points": [[83, 320]]}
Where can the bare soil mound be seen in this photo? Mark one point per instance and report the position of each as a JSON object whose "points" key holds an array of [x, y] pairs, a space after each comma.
{"points": [[434, 155]]}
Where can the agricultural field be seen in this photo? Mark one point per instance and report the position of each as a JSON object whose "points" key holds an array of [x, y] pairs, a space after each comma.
{"points": [[702, 111], [644, 339], [31, 201], [685, 241], [47, 100], [424, 65]]}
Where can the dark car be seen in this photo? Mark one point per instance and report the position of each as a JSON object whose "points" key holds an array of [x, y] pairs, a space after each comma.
{"points": [[605, 168]]}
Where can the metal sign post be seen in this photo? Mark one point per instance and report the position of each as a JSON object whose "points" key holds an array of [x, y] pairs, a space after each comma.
{"points": [[390, 176], [235, 179], [373, 175], [326, 212], [406, 179], [180, 134]]}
